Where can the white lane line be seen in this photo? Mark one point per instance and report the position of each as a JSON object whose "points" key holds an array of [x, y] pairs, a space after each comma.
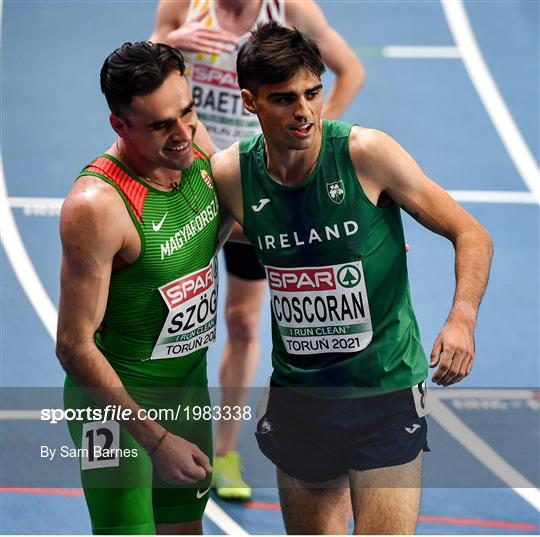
{"points": [[494, 104], [219, 517], [421, 52], [52, 206], [16, 415], [484, 453], [37, 206], [479, 393], [21, 264], [493, 196]]}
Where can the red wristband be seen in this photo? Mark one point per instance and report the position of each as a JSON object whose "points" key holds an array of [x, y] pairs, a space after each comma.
{"points": [[157, 444]]}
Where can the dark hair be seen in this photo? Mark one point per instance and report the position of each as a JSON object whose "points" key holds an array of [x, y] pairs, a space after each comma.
{"points": [[274, 54], [137, 69]]}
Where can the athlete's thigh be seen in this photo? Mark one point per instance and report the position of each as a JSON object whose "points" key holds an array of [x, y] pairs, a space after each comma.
{"points": [[316, 509], [179, 508], [387, 500], [246, 293]]}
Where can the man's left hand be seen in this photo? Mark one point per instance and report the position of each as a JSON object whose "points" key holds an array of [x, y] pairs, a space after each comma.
{"points": [[453, 352]]}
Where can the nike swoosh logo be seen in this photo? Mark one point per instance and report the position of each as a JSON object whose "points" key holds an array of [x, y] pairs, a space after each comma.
{"points": [[262, 203], [411, 430], [201, 494], [158, 227]]}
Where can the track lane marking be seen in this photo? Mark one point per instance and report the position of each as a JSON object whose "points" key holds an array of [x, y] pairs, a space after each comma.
{"points": [[484, 453], [43, 206], [406, 52], [421, 52], [478, 72], [21, 264], [274, 506], [482, 393]]}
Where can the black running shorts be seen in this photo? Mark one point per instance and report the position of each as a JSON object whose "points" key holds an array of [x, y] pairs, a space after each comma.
{"points": [[320, 439], [241, 261]]}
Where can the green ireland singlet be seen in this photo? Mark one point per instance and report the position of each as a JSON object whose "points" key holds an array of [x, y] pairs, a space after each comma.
{"points": [[161, 310], [337, 273]]}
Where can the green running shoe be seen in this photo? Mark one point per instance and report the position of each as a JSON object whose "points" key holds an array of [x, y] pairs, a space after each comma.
{"points": [[227, 479]]}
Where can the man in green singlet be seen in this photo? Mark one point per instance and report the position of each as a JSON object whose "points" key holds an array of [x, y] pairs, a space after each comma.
{"points": [[320, 202], [138, 300]]}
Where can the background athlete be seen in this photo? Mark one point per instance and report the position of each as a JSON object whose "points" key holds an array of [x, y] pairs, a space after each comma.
{"points": [[209, 31], [139, 231], [320, 200]]}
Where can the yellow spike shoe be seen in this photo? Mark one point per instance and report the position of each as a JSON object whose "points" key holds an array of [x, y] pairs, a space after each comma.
{"points": [[227, 479]]}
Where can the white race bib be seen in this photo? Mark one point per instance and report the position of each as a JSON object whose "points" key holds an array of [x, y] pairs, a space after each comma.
{"points": [[191, 322], [219, 105], [321, 309]]}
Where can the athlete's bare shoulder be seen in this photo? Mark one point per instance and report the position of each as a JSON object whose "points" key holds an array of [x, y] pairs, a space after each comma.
{"points": [[93, 216], [370, 150], [90, 196], [365, 143]]}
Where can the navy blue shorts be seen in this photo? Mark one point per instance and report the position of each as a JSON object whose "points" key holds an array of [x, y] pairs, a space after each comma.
{"points": [[320, 439], [241, 261]]}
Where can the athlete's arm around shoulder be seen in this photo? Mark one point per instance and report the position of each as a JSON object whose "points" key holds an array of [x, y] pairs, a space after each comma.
{"points": [[96, 233], [227, 223], [227, 176], [383, 166]]}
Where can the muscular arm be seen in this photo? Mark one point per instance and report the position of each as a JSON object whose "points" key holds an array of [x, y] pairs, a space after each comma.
{"points": [[227, 228], [386, 167], [91, 228], [336, 54], [226, 172]]}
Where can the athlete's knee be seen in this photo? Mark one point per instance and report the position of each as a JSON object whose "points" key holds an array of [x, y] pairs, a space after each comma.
{"points": [[181, 528], [242, 324]]}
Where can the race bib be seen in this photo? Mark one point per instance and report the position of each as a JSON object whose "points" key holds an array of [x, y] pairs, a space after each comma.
{"points": [[219, 105], [321, 309], [191, 322]]}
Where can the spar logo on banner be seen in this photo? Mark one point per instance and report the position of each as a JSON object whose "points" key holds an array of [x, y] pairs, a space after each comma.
{"points": [[321, 309], [191, 321]]}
